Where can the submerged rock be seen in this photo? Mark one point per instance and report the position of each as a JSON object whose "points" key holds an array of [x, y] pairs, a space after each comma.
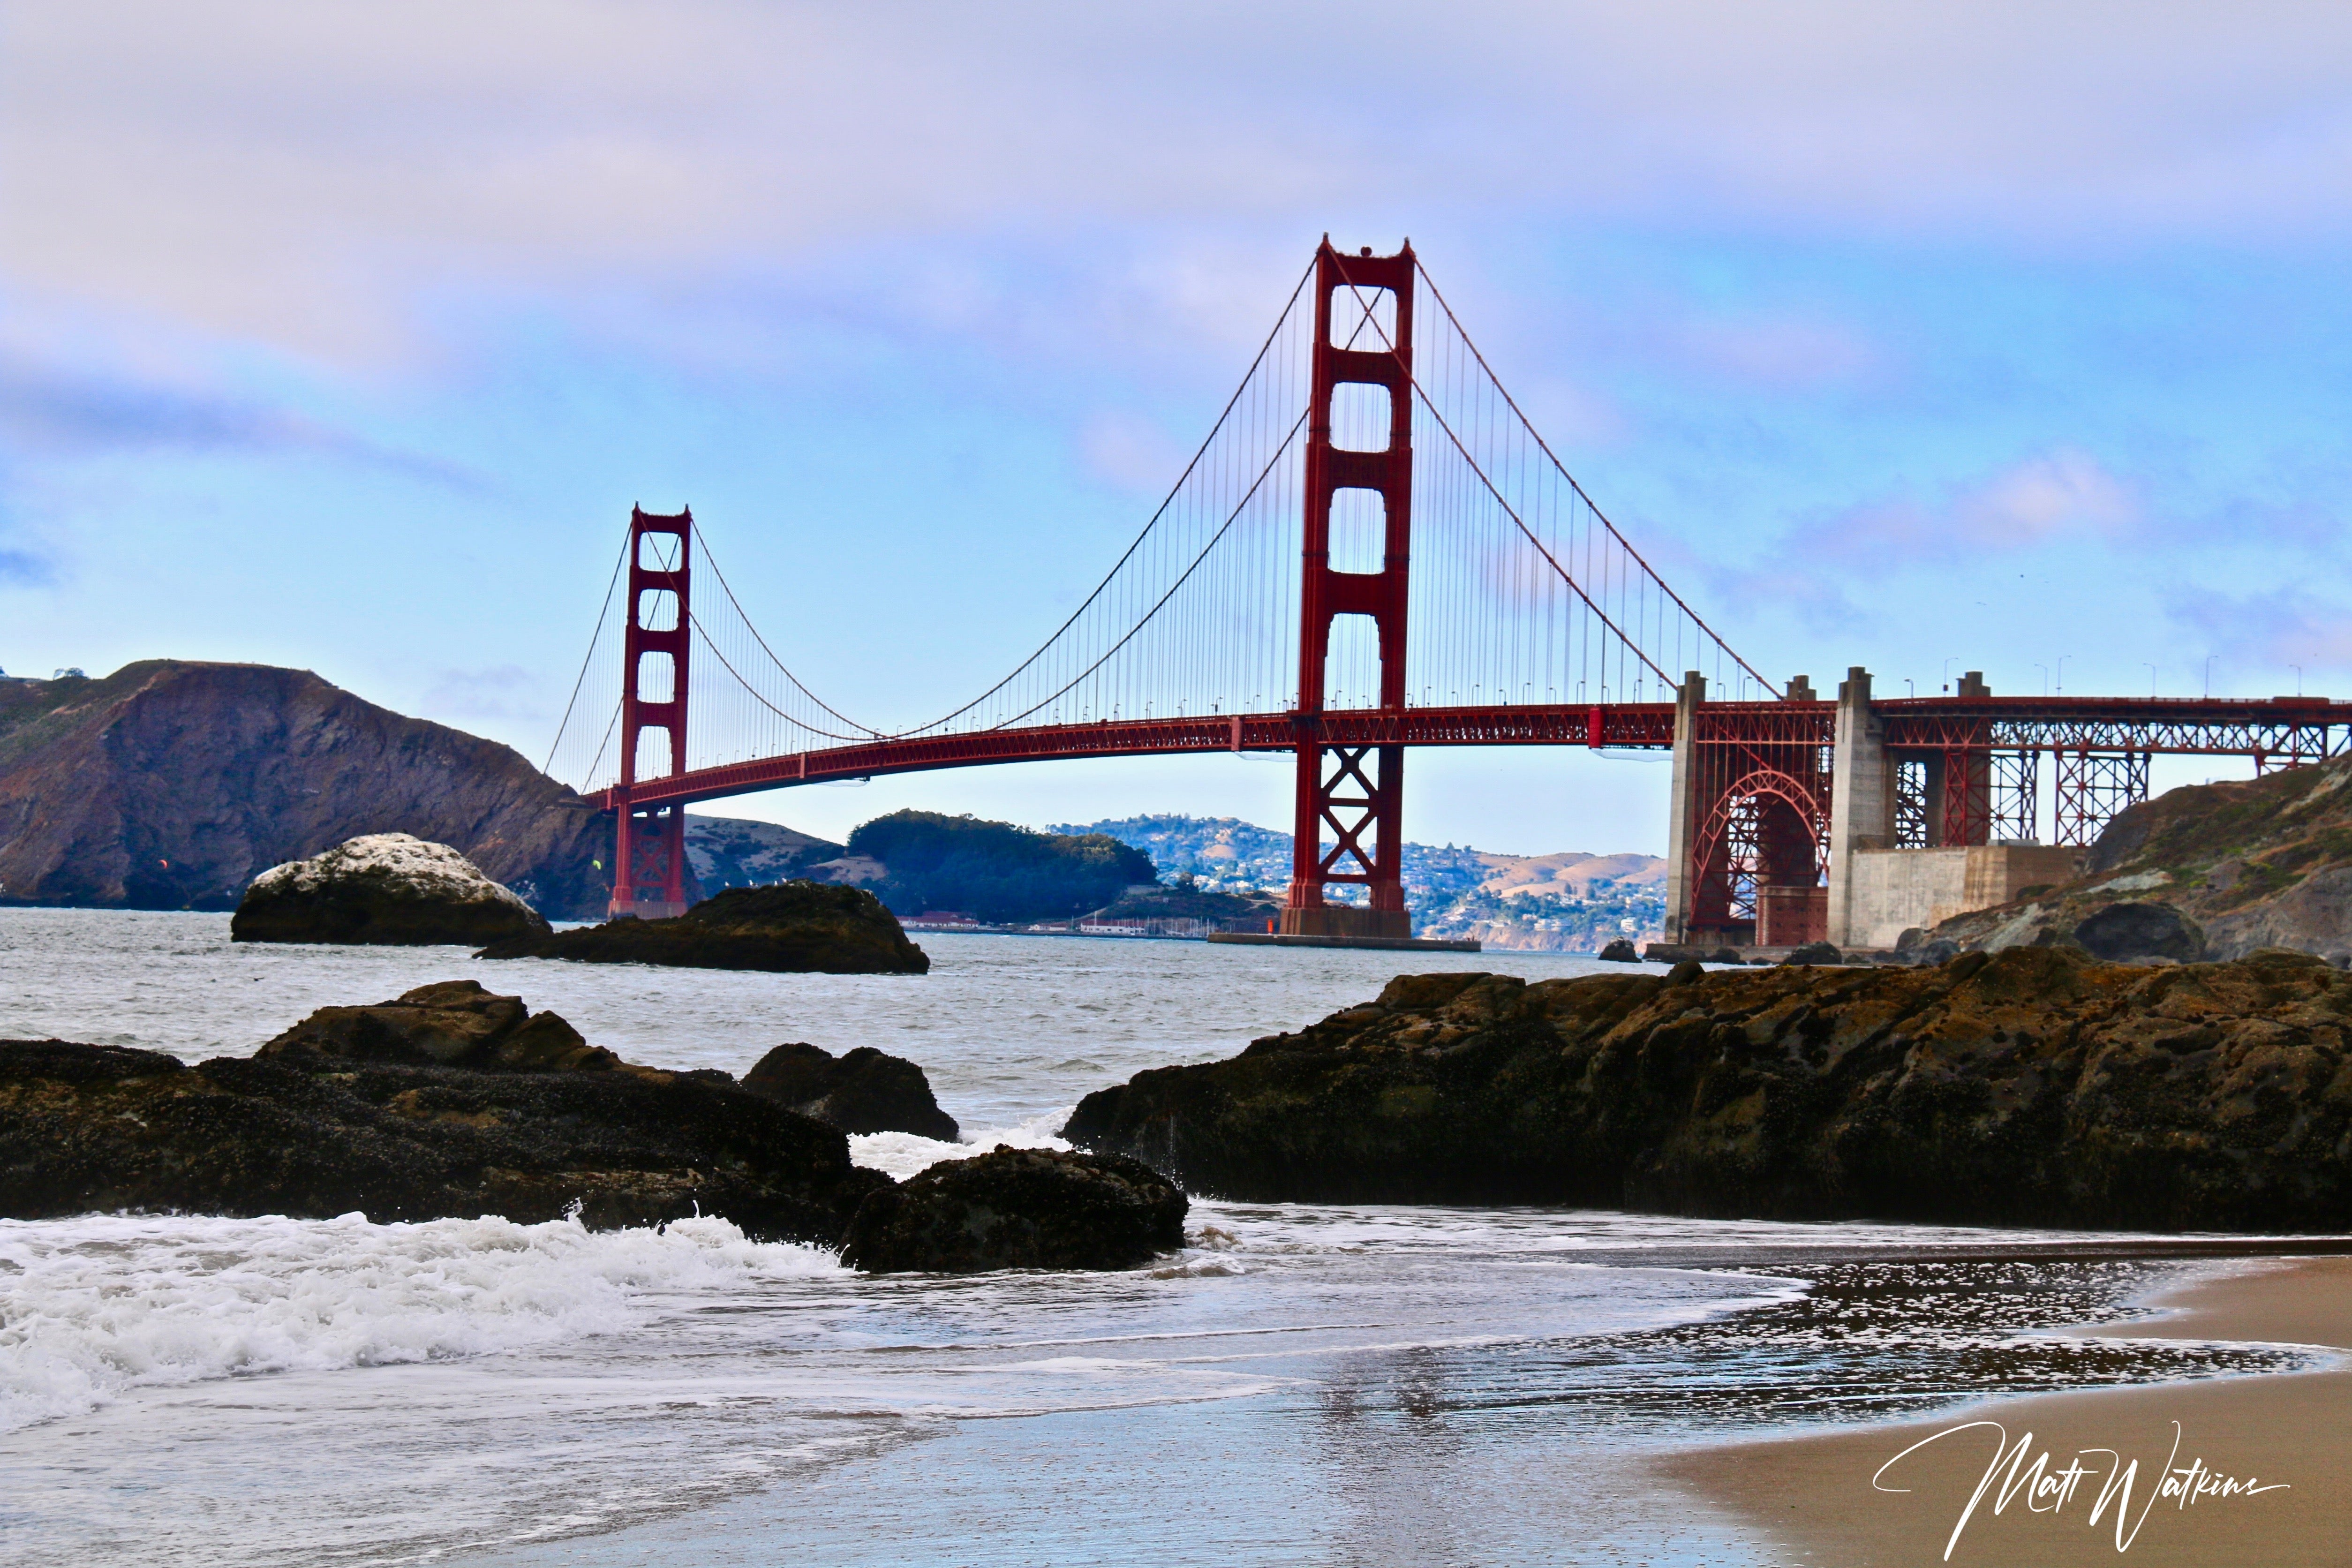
{"points": [[1019, 1208], [864, 1091], [792, 927], [313, 1136], [2036, 1086], [456, 1023], [382, 889]]}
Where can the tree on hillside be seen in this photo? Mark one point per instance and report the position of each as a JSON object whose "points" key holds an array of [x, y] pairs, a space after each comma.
{"points": [[994, 870]]}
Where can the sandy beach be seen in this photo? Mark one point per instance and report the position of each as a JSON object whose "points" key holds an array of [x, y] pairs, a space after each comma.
{"points": [[2290, 1435]]}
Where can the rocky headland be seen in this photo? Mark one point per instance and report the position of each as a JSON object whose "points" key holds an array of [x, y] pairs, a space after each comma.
{"points": [[384, 890], [2207, 871], [793, 927], [170, 785], [865, 1090], [2036, 1086]]}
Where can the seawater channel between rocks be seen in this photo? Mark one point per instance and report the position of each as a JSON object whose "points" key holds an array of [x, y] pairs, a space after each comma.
{"points": [[1300, 1385]]}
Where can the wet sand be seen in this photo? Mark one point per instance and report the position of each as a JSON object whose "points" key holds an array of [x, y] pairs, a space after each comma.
{"points": [[1815, 1494]]}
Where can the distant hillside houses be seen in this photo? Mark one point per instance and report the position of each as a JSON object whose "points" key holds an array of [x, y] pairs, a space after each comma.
{"points": [[1571, 902], [1176, 872]]}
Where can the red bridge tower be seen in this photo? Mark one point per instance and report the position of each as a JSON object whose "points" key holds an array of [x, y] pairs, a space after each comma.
{"points": [[649, 870], [1352, 791]]}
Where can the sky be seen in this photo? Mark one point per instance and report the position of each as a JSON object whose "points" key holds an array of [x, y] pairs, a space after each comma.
{"points": [[1928, 338]]}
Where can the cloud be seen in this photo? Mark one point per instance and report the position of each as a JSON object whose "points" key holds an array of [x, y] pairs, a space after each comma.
{"points": [[24, 569], [2262, 634], [311, 177], [1783, 353], [46, 410], [500, 691], [2059, 495], [1132, 453]]}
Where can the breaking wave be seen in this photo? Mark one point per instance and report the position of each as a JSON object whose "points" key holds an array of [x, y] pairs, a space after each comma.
{"points": [[92, 1307]]}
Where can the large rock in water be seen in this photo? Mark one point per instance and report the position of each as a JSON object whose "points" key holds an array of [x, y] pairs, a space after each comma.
{"points": [[2033, 1087], [456, 1023], [865, 1091], [794, 927], [313, 1136], [170, 783], [1019, 1208], [382, 889]]}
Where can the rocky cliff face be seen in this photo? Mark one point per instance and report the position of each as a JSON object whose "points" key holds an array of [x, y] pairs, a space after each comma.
{"points": [[2034, 1087], [170, 785], [2218, 870]]}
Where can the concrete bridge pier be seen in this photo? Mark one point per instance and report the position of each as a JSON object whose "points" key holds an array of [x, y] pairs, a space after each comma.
{"points": [[1681, 823], [1862, 798]]}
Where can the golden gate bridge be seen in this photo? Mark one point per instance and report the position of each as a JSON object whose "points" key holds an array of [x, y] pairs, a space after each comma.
{"points": [[1374, 550]]}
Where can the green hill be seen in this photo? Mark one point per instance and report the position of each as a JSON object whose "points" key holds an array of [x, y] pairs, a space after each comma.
{"points": [[993, 870]]}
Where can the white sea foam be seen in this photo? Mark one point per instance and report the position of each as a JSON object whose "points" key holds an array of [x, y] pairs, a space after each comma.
{"points": [[899, 1155], [94, 1307]]}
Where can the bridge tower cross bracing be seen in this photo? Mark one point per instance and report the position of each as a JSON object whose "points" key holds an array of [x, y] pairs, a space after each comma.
{"points": [[649, 869], [1352, 792]]}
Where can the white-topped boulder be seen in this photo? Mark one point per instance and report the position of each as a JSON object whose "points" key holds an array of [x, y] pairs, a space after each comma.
{"points": [[382, 889]]}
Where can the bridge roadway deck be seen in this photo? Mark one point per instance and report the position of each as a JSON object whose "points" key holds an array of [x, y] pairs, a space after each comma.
{"points": [[2279, 729]]}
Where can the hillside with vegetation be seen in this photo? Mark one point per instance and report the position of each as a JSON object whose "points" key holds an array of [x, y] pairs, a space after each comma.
{"points": [[2224, 868], [738, 852], [993, 871]]}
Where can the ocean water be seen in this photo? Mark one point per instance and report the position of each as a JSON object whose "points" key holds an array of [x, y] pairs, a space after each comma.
{"points": [[1310, 1385]]}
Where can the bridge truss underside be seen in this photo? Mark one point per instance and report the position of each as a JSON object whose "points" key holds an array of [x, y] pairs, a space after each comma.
{"points": [[1955, 771], [1967, 768]]}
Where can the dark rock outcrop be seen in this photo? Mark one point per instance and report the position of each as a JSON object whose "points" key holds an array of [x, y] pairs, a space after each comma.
{"points": [[311, 1135], [384, 889], [864, 1091], [1019, 1208], [1815, 953], [794, 926], [2035, 1086], [169, 784], [456, 1023], [2121, 934], [1621, 951]]}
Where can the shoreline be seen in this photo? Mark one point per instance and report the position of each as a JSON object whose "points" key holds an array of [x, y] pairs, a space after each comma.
{"points": [[1813, 1494]]}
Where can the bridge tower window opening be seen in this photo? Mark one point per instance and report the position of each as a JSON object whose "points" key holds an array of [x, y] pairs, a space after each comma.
{"points": [[1360, 417], [658, 610], [1351, 671], [656, 682], [1360, 522], [1363, 317]]}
